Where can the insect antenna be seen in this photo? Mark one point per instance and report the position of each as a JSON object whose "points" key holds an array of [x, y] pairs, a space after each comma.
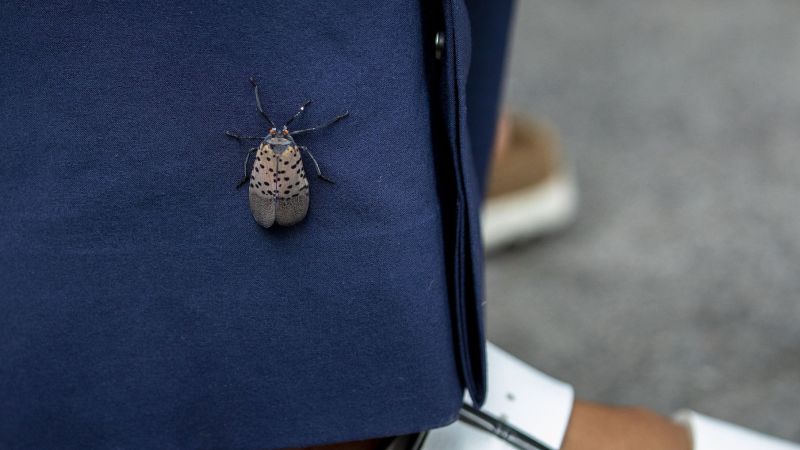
{"points": [[338, 118], [258, 102]]}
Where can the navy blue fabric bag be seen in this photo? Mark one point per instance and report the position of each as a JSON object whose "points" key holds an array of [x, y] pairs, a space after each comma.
{"points": [[140, 304]]}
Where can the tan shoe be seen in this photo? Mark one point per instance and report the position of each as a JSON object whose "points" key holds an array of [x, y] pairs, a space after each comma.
{"points": [[529, 192]]}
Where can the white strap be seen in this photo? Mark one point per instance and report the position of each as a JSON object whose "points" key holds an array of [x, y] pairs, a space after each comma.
{"points": [[522, 397], [540, 406], [713, 434]]}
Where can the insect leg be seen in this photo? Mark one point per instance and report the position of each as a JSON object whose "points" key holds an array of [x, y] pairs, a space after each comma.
{"points": [[246, 174], [338, 118], [258, 101], [302, 108], [316, 164], [240, 137]]}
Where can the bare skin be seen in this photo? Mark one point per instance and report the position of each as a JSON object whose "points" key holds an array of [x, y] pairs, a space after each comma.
{"points": [[601, 427]]}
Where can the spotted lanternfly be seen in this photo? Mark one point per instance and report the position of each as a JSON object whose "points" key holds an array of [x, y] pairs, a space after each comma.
{"points": [[278, 183]]}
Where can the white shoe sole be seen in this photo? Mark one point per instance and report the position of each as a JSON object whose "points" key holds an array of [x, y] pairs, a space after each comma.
{"points": [[530, 213]]}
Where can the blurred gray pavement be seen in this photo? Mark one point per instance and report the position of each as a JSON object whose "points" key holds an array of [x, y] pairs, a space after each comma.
{"points": [[679, 285]]}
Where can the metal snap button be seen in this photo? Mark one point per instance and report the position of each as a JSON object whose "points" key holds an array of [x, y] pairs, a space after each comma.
{"points": [[439, 43]]}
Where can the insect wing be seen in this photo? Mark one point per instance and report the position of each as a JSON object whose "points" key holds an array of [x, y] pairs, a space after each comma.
{"points": [[262, 186], [291, 186]]}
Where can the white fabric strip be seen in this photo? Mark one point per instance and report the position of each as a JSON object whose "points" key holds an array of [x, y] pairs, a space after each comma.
{"points": [[713, 434], [522, 397]]}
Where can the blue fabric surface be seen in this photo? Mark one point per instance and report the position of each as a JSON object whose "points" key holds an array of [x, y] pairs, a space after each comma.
{"points": [[490, 32], [142, 306], [468, 285]]}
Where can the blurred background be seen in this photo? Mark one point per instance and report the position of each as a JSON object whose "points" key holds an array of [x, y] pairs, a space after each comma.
{"points": [[677, 284]]}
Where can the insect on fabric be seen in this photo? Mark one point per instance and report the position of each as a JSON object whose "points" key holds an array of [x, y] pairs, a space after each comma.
{"points": [[278, 183]]}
